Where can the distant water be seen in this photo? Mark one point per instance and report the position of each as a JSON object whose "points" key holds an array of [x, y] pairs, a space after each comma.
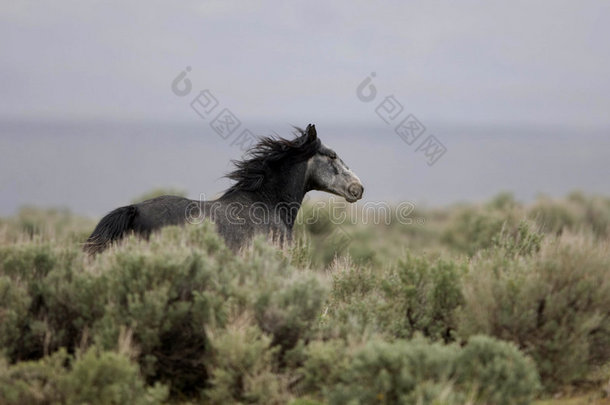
{"points": [[92, 167]]}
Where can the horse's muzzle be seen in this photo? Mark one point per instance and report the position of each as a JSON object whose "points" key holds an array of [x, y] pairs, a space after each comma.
{"points": [[355, 191]]}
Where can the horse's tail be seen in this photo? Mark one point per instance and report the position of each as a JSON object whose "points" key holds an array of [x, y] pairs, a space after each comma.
{"points": [[111, 228]]}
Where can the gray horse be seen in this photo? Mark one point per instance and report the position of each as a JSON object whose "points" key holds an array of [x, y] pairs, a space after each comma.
{"points": [[269, 188]]}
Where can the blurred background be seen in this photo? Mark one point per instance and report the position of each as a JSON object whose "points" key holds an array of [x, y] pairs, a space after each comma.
{"points": [[516, 93]]}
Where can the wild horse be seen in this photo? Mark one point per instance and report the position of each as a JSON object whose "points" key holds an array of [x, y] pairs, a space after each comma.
{"points": [[270, 184]]}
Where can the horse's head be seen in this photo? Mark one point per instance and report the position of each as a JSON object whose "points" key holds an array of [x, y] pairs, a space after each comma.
{"points": [[327, 172]]}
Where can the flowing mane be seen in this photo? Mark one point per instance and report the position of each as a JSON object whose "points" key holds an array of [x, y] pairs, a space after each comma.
{"points": [[250, 172]]}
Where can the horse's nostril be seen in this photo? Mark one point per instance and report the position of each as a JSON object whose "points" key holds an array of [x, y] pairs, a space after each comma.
{"points": [[356, 190]]}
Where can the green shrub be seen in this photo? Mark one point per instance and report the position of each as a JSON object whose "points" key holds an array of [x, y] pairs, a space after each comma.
{"points": [[504, 201], [325, 364], [47, 299], [577, 213], [473, 229], [161, 298], [93, 378], [597, 216], [169, 298], [523, 241], [355, 306], [14, 305], [108, 378], [33, 382], [317, 222], [485, 371], [554, 217], [168, 292], [417, 295], [321, 322], [497, 371], [53, 224], [288, 313], [390, 373], [305, 401], [554, 305], [423, 297], [301, 250], [241, 368]]}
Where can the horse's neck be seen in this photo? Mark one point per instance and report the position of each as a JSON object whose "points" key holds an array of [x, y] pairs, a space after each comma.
{"points": [[281, 193], [282, 196], [285, 192]]}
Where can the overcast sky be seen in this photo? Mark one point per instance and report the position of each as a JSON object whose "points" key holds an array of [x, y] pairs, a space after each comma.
{"points": [[518, 62]]}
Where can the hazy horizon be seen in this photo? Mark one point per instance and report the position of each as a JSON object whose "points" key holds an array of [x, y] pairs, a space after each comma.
{"points": [[93, 168]]}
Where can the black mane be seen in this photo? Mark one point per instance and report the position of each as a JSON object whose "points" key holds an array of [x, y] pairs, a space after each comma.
{"points": [[266, 154]]}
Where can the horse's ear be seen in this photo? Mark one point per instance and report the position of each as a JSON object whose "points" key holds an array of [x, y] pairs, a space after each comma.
{"points": [[312, 135]]}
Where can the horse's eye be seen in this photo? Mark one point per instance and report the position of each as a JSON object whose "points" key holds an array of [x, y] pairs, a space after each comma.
{"points": [[332, 155]]}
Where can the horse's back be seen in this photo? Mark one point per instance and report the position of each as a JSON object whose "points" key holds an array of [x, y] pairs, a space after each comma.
{"points": [[161, 211], [141, 218]]}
